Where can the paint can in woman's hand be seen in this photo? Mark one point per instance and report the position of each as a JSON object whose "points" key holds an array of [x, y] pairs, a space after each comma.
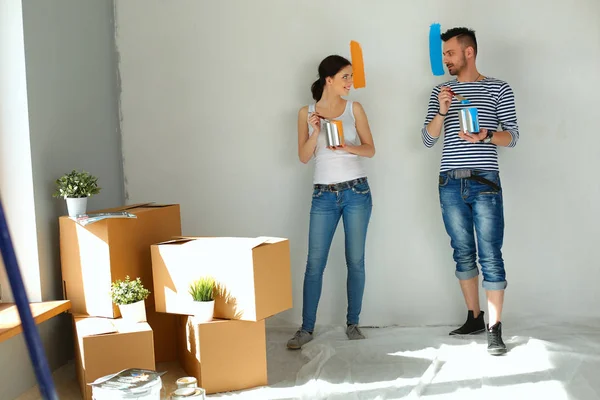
{"points": [[334, 132]]}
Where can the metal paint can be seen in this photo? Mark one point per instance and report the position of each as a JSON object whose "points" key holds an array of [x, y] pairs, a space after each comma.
{"points": [[468, 118], [188, 393], [187, 382], [334, 133]]}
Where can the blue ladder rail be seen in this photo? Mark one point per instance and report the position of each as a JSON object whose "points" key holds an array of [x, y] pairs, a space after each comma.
{"points": [[32, 335]]}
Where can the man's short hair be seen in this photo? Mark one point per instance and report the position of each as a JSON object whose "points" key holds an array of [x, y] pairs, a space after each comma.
{"points": [[465, 36]]}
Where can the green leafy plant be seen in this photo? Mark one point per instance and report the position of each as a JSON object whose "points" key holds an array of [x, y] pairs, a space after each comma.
{"points": [[128, 291], [76, 184], [203, 289]]}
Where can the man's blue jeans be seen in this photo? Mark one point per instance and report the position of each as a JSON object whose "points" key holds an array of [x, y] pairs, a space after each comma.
{"points": [[352, 202], [474, 219]]}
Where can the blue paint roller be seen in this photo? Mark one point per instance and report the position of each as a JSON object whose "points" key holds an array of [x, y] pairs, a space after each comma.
{"points": [[435, 50], [30, 331]]}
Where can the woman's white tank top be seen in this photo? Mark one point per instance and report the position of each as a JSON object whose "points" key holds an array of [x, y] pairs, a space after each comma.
{"points": [[334, 166]]}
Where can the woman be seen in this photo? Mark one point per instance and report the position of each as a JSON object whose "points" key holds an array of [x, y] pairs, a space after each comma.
{"points": [[340, 190]]}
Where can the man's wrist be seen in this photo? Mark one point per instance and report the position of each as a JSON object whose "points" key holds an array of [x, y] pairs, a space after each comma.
{"points": [[488, 138], [442, 114]]}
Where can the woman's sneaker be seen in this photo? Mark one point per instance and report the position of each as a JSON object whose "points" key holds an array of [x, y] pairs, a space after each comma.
{"points": [[353, 332], [300, 339]]}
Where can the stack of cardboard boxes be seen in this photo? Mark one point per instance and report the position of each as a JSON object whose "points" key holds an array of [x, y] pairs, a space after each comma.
{"points": [[228, 353], [253, 279], [92, 257]]}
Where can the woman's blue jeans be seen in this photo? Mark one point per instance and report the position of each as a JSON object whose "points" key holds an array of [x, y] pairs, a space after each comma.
{"points": [[352, 202]]}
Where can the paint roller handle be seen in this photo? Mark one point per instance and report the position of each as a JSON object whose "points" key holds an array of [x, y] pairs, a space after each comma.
{"points": [[458, 96]]}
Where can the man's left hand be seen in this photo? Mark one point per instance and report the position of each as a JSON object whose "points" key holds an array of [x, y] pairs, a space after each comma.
{"points": [[474, 137]]}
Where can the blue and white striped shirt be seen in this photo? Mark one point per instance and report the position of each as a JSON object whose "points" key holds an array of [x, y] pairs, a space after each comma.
{"points": [[495, 104]]}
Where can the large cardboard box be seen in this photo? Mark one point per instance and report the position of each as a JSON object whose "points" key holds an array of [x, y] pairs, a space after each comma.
{"points": [[253, 275], [94, 255], [104, 346], [223, 355]]}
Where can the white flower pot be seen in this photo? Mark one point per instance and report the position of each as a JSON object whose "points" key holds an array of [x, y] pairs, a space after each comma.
{"points": [[76, 205], [134, 312], [204, 310]]}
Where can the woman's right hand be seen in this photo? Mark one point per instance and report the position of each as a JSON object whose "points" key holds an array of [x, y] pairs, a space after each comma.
{"points": [[315, 121]]}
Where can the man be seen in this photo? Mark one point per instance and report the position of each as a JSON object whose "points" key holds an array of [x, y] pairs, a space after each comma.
{"points": [[469, 182]]}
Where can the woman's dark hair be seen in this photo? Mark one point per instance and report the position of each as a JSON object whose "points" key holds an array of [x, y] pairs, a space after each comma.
{"points": [[330, 66]]}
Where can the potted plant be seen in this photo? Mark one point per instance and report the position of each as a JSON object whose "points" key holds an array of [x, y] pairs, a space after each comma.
{"points": [[130, 296], [75, 187], [202, 292]]}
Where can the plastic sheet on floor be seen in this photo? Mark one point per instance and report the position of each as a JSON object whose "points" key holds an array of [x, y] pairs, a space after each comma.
{"points": [[545, 360]]}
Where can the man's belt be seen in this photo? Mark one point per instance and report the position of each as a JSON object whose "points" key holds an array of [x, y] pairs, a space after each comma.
{"points": [[472, 175]]}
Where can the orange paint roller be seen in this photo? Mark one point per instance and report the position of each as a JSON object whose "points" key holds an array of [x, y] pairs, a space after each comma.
{"points": [[358, 66]]}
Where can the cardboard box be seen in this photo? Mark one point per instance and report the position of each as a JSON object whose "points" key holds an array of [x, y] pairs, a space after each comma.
{"points": [[253, 275], [223, 355], [94, 255], [104, 346], [164, 328]]}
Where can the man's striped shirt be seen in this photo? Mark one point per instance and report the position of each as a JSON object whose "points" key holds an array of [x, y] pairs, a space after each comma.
{"points": [[495, 103]]}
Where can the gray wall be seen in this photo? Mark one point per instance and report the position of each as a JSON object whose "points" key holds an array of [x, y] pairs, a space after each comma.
{"points": [[73, 116], [73, 111]]}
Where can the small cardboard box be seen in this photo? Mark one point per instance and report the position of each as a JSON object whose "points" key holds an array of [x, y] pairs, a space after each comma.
{"points": [[253, 275], [104, 346], [94, 255], [223, 355]]}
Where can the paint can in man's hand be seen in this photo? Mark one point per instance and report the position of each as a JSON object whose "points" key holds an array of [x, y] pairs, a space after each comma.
{"points": [[468, 118]]}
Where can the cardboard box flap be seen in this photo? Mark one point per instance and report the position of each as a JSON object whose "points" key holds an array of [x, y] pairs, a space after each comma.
{"points": [[135, 207], [193, 237], [123, 208], [227, 243], [177, 240], [149, 207], [94, 326], [220, 243], [124, 326], [154, 205], [270, 240]]}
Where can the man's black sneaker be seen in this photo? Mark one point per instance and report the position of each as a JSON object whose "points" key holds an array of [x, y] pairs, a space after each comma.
{"points": [[472, 326], [496, 346]]}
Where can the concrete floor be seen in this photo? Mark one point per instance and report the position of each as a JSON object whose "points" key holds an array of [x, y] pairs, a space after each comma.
{"points": [[554, 360]]}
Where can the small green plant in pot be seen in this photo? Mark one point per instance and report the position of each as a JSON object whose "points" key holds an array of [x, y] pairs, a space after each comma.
{"points": [[203, 294], [75, 187], [131, 297]]}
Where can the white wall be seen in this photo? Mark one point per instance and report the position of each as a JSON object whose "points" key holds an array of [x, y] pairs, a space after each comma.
{"points": [[210, 94], [66, 117], [16, 176]]}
